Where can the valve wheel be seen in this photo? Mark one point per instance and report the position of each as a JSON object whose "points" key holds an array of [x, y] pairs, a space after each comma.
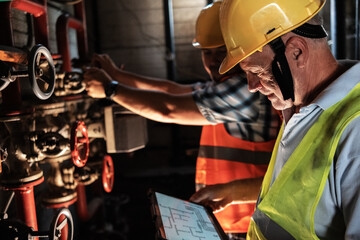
{"points": [[79, 146], [61, 224], [41, 72], [3, 83], [108, 174]]}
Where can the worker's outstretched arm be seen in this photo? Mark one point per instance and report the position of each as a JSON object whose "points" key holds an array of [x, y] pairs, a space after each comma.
{"points": [[104, 62], [154, 105]]}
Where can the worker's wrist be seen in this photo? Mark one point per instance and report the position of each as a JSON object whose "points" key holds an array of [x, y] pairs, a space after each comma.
{"points": [[110, 89]]}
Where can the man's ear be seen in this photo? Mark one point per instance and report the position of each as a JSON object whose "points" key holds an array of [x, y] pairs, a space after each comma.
{"points": [[297, 50]]}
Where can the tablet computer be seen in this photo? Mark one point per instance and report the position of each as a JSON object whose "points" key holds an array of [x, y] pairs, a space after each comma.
{"points": [[178, 219]]}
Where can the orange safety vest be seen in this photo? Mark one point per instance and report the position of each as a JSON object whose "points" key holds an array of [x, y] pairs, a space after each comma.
{"points": [[223, 158]]}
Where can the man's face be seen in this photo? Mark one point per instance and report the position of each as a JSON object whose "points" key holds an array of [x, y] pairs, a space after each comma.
{"points": [[260, 77], [212, 58]]}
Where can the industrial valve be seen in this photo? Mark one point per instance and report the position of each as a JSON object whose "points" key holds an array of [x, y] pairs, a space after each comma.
{"points": [[53, 144], [79, 145], [61, 225], [40, 70], [69, 83], [108, 174], [61, 220], [97, 169]]}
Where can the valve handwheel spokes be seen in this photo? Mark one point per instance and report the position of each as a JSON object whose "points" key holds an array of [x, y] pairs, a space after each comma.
{"points": [[41, 72], [108, 174], [61, 224], [79, 145]]}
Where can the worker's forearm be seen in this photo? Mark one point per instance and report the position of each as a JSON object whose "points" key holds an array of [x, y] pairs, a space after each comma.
{"points": [[149, 83], [246, 190], [159, 106]]}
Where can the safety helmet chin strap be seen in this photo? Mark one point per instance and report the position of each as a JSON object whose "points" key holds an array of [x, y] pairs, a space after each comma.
{"points": [[281, 69], [280, 65]]}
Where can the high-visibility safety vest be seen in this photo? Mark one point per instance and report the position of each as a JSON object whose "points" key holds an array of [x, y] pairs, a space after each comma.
{"points": [[223, 158], [287, 209]]}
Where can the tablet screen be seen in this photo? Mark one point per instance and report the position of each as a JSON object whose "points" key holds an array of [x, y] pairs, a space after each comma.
{"points": [[185, 220]]}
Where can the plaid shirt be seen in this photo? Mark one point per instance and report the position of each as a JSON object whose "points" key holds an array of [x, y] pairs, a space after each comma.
{"points": [[248, 116]]}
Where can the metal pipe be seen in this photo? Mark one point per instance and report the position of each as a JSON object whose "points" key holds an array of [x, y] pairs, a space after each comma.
{"points": [[64, 22], [81, 203], [25, 201], [81, 33], [25, 206], [39, 11], [29, 6], [170, 40], [338, 29], [357, 31], [12, 94]]}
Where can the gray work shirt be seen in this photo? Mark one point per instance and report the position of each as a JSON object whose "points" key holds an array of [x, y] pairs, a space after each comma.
{"points": [[337, 215]]}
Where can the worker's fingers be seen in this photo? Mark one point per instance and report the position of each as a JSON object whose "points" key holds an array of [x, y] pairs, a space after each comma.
{"points": [[90, 71], [96, 73], [200, 196], [95, 61], [101, 61], [95, 89], [90, 83]]}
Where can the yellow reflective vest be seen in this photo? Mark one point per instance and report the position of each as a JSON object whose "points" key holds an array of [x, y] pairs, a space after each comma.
{"points": [[286, 210]]}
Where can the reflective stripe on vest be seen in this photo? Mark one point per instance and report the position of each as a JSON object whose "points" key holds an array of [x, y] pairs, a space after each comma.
{"points": [[288, 207], [224, 158]]}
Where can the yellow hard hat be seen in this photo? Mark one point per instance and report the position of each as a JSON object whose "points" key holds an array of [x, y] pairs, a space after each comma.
{"points": [[208, 32], [248, 25]]}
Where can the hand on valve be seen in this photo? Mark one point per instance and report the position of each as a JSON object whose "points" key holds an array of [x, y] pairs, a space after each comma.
{"points": [[95, 80], [103, 61]]}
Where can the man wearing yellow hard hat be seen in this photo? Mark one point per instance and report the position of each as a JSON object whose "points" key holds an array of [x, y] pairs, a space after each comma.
{"points": [[311, 189]]}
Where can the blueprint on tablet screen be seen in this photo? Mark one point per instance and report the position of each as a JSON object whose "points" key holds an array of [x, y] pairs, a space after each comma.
{"points": [[184, 220]]}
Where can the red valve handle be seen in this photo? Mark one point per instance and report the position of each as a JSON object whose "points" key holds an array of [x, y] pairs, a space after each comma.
{"points": [[108, 174], [79, 146], [62, 225]]}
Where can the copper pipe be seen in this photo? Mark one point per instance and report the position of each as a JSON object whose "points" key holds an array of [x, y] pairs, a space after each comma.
{"points": [[78, 23], [81, 204]]}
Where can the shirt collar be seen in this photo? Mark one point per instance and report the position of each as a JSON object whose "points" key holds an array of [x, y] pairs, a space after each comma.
{"points": [[338, 89]]}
